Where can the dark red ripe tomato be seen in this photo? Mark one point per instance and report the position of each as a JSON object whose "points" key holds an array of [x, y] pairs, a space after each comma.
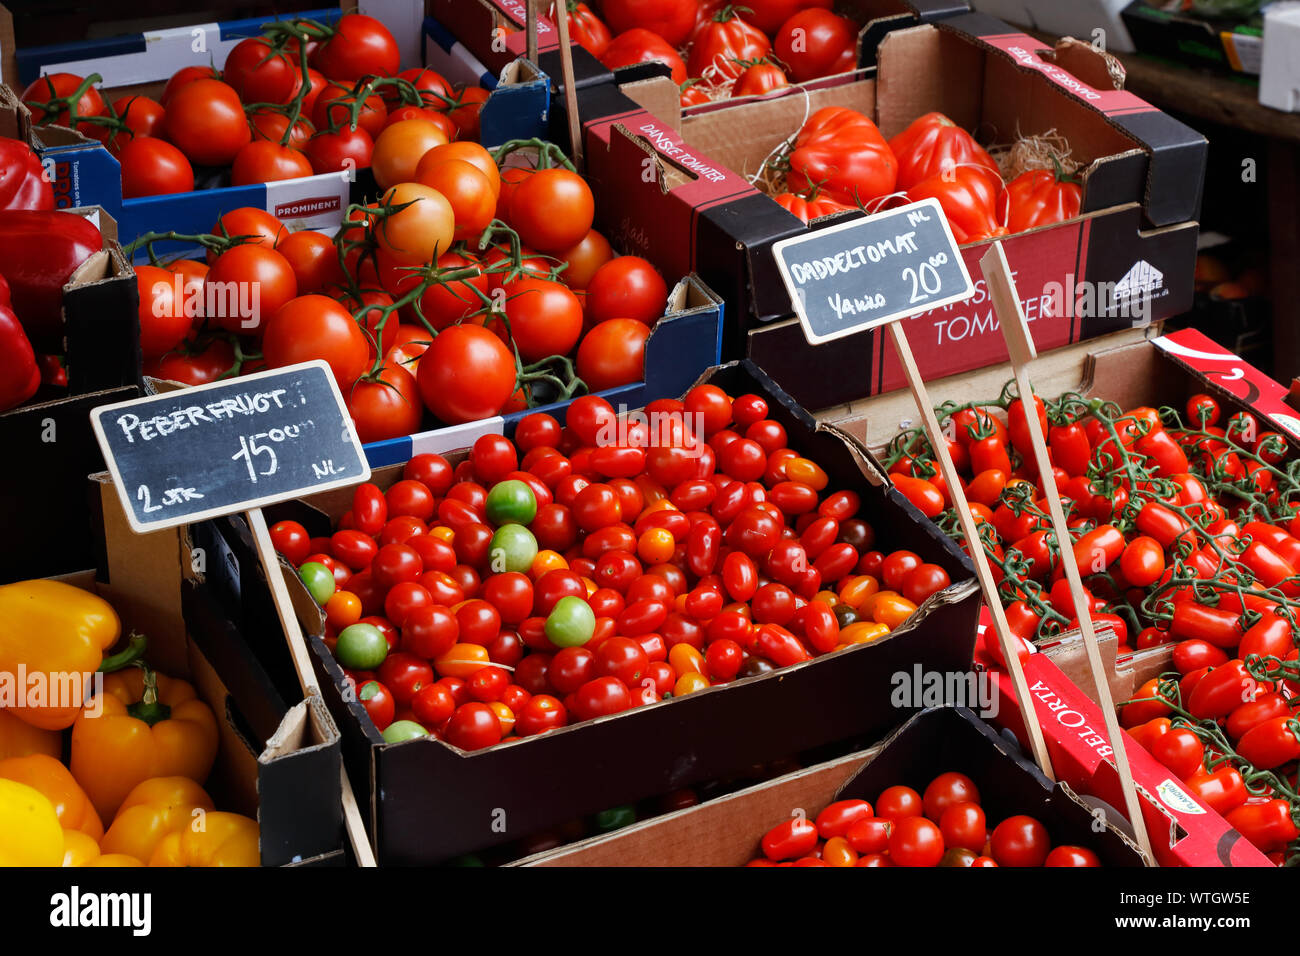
{"points": [[473, 726]]}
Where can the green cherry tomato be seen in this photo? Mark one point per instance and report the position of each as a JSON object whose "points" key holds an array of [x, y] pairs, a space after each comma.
{"points": [[400, 730], [362, 647], [571, 622], [615, 818], [511, 502], [513, 548], [319, 581]]}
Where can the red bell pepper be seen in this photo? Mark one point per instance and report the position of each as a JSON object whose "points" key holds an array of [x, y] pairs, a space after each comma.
{"points": [[23, 183], [40, 250], [20, 375]]}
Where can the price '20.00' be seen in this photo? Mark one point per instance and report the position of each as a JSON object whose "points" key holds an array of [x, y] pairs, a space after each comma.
{"points": [[926, 281]]}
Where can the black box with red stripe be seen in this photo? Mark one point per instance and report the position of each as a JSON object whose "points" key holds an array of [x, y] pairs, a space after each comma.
{"points": [[683, 187], [494, 30]]}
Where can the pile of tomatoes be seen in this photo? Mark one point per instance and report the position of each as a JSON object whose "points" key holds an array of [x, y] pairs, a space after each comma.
{"points": [[303, 98], [601, 571], [1233, 740], [1186, 529], [476, 286], [944, 826], [840, 160], [715, 49]]}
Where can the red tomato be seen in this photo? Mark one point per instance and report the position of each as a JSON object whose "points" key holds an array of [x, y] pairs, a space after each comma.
{"points": [[466, 374], [59, 85], [841, 152], [723, 45], [360, 45], [643, 46], [153, 167], [968, 195], [205, 120], [931, 145], [379, 704], [315, 327], [552, 210], [163, 319], [600, 697], [626, 287], [260, 74], [613, 354], [759, 79], [1020, 841], [262, 161], [793, 838], [915, 841], [1039, 197], [585, 27], [816, 42], [473, 726], [897, 802], [1071, 856], [673, 20], [948, 789]]}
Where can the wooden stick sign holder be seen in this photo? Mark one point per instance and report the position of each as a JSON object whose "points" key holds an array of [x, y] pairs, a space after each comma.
{"points": [[1020, 346], [233, 446], [353, 822], [568, 83], [1007, 642], [875, 271]]}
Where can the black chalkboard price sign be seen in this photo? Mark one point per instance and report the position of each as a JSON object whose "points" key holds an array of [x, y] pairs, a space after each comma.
{"points": [[867, 272], [230, 446]]}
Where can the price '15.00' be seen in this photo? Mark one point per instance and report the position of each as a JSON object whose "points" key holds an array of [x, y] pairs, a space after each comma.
{"points": [[250, 446]]}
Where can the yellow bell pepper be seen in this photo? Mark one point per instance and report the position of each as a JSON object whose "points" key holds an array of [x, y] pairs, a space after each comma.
{"points": [[30, 834], [53, 779], [79, 849], [114, 859], [55, 636], [19, 738], [143, 725], [219, 839], [152, 810]]}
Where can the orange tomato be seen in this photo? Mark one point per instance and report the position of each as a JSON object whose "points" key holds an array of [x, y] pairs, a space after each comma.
{"points": [[420, 232], [471, 153], [461, 660], [467, 189], [891, 609], [399, 147]]}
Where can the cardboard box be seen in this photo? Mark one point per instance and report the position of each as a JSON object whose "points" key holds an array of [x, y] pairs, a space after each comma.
{"points": [[1183, 831], [427, 801], [492, 31], [1133, 248], [1131, 370], [520, 99], [1279, 73], [726, 832], [1125, 367], [85, 173], [1164, 28], [1097, 21], [681, 346], [48, 505], [287, 778]]}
